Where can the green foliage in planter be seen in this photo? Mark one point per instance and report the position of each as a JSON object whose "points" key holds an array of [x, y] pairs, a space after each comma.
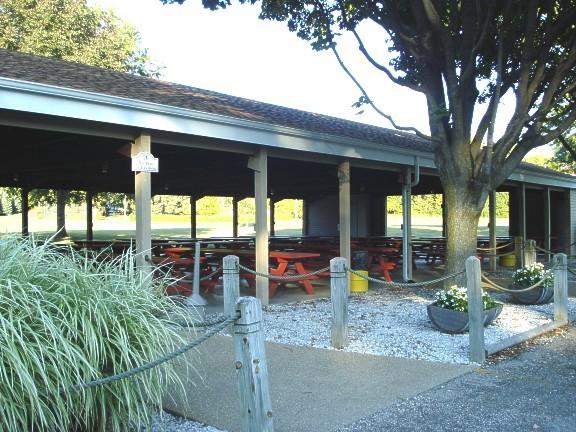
{"points": [[532, 274], [67, 319], [456, 298]]}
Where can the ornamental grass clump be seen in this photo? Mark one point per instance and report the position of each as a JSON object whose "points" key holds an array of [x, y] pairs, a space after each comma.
{"points": [[532, 274], [67, 319], [456, 298]]}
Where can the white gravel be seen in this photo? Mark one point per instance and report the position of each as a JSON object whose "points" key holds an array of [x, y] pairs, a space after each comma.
{"points": [[390, 322], [394, 323]]}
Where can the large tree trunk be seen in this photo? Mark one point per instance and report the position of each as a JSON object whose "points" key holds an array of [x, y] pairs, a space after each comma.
{"points": [[464, 205], [61, 199]]}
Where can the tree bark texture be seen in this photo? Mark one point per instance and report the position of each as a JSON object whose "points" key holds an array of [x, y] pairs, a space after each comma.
{"points": [[463, 214]]}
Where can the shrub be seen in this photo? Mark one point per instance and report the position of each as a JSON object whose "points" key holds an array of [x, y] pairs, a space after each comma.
{"points": [[68, 319], [456, 298]]}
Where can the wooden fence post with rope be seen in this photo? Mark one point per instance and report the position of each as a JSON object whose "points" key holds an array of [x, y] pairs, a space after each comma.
{"points": [[561, 288], [231, 283], [477, 351], [530, 253], [339, 297], [251, 366]]}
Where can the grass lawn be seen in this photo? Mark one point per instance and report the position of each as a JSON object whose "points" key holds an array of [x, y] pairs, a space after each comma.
{"points": [[118, 226]]}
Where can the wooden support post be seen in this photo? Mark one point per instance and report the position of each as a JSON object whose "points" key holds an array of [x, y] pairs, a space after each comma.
{"points": [[530, 252], [407, 226], [252, 369], [477, 353], [259, 163], [522, 211], [89, 211], [547, 224], [305, 223], [339, 297], [344, 210], [193, 217], [24, 200], [492, 229], [519, 251], [234, 216], [196, 299], [143, 198], [231, 282], [272, 216], [385, 214], [561, 288]]}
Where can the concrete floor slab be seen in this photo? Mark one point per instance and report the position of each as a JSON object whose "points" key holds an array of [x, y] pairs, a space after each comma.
{"points": [[311, 389]]}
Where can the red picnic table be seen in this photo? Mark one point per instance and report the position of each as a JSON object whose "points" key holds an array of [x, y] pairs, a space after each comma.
{"points": [[288, 263]]}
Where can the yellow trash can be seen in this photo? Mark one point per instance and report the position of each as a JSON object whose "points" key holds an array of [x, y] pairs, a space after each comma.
{"points": [[357, 283], [508, 261]]}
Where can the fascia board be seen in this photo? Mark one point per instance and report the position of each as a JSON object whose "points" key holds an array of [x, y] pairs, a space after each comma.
{"points": [[46, 99], [525, 176]]}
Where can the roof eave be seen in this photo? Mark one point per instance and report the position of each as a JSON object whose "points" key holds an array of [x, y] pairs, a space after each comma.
{"points": [[31, 97]]}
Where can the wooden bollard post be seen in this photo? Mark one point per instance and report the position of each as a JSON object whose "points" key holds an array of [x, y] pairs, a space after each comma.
{"points": [[231, 282], [251, 367], [518, 251], [339, 297], [561, 287], [477, 352], [530, 253]]}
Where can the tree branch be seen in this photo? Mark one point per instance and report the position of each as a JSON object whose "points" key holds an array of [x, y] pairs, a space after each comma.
{"points": [[383, 68], [567, 146], [379, 111]]}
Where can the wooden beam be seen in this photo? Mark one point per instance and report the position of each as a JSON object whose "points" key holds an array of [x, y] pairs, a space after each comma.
{"points": [[193, 217], [272, 216], [24, 200], [407, 226], [143, 198], [344, 210], [259, 164], [522, 215], [547, 223], [492, 228], [89, 210], [235, 216], [305, 223]]}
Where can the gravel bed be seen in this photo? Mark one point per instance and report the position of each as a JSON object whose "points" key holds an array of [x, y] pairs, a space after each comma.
{"points": [[170, 423], [394, 322]]}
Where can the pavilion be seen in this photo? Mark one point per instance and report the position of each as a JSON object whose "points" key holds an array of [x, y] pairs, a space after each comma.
{"points": [[70, 126]]}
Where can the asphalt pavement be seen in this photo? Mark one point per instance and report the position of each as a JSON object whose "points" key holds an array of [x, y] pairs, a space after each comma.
{"points": [[527, 388]]}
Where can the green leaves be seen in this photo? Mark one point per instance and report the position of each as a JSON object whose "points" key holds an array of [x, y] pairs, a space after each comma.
{"points": [[72, 30]]}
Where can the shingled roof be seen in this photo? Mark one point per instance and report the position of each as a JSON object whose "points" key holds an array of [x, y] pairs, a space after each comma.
{"points": [[60, 73], [44, 70]]}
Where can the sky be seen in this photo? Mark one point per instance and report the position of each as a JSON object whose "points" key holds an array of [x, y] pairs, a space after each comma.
{"points": [[234, 52]]}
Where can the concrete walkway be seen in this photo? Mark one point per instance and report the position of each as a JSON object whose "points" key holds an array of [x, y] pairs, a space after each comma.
{"points": [[312, 389]]}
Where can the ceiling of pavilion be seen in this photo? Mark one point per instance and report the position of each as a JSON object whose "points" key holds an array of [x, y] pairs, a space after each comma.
{"points": [[54, 160]]}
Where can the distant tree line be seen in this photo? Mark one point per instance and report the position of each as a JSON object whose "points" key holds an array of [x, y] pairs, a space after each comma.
{"points": [[431, 205]]}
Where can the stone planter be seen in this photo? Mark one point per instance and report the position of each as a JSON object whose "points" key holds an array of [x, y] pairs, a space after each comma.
{"points": [[450, 321], [540, 295]]}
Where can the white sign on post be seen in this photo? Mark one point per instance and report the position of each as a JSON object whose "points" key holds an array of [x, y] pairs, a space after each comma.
{"points": [[145, 162]]}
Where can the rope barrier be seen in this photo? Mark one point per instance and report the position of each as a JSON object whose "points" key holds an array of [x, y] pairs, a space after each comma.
{"points": [[165, 358], [211, 275], [499, 255], [406, 284], [205, 323], [291, 278], [495, 248], [501, 288]]}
